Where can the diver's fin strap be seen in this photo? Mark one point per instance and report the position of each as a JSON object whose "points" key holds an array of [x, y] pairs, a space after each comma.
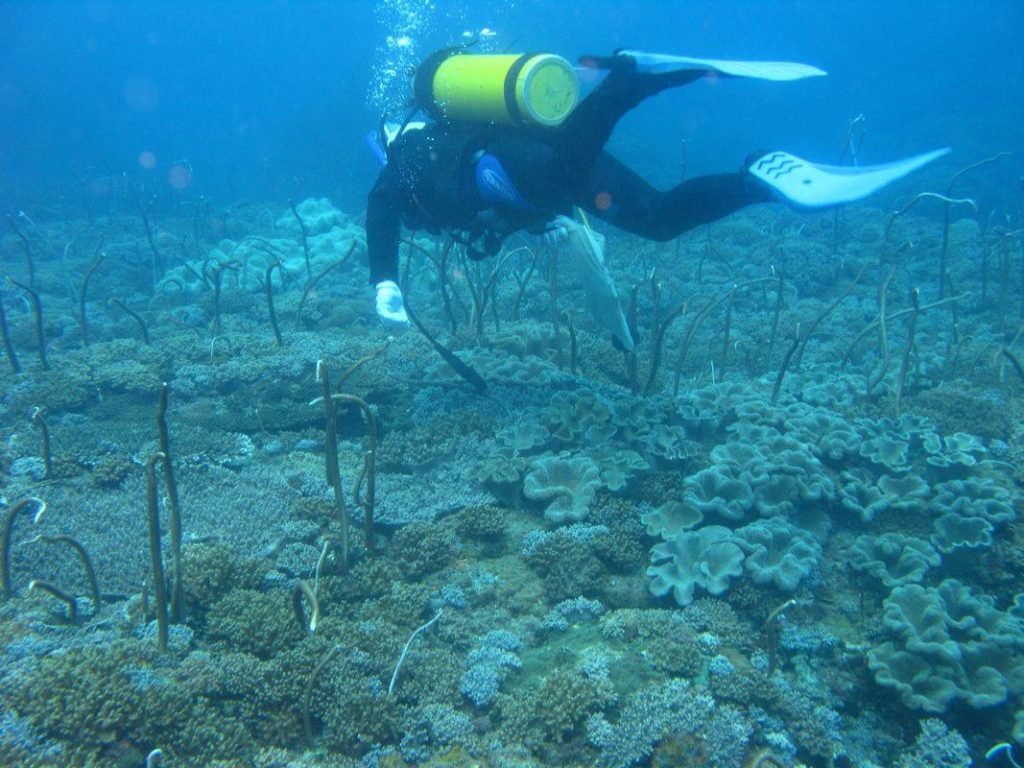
{"points": [[816, 186], [659, 63], [495, 187]]}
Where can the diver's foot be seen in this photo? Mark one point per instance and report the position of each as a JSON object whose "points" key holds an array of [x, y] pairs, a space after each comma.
{"points": [[635, 63], [618, 61]]}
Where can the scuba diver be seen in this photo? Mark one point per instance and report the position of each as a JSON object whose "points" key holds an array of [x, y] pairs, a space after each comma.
{"points": [[510, 147]]}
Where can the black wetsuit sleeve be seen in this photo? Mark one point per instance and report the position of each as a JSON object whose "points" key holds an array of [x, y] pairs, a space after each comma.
{"points": [[384, 225]]}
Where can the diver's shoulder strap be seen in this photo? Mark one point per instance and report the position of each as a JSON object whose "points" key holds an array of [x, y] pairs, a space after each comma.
{"points": [[392, 131], [379, 141], [810, 185], [496, 186], [660, 63]]}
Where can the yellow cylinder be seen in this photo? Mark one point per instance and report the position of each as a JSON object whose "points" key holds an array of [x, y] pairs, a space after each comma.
{"points": [[540, 88]]}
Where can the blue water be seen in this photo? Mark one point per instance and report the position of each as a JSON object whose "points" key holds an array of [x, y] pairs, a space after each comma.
{"points": [[270, 99], [784, 532]]}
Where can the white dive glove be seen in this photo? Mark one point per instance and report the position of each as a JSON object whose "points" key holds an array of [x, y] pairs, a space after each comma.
{"points": [[554, 232], [390, 305]]}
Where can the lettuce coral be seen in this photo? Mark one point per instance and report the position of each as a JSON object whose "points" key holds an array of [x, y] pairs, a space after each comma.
{"points": [[707, 558], [716, 490], [568, 483], [778, 553], [949, 644], [893, 558]]}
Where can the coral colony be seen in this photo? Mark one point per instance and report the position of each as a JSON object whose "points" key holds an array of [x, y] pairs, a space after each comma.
{"points": [[242, 525]]}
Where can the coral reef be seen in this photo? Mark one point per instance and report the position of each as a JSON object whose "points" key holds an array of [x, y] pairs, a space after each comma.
{"points": [[949, 644], [599, 560]]}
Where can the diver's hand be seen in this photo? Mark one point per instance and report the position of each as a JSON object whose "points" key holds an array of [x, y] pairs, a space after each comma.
{"points": [[554, 232], [390, 305]]}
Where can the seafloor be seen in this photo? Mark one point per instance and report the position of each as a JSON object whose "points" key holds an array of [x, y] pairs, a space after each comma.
{"points": [[784, 532]]}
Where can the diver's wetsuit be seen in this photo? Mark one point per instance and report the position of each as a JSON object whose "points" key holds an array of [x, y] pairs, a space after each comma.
{"points": [[429, 181]]}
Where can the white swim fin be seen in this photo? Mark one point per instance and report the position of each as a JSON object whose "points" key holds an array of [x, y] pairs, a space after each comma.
{"points": [[660, 63], [586, 247], [810, 185]]}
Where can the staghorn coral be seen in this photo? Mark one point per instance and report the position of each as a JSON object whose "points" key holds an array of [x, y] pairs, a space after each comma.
{"points": [[253, 622], [936, 746], [422, 548], [567, 561], [645, 719], [485, 524], [742, 687], [555, 712], [657, 640], [619, 549], [431, 727], [109, 700], [369, 579], [809, 716], [214, 570], [354, 722], [489, 664]]}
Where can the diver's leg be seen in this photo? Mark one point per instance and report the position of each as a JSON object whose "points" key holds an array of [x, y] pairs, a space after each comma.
{"points": [[581, 138], [619, 196]]}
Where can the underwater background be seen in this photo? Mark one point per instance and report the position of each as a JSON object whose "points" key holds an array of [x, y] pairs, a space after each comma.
{"points": [[242, 524]]}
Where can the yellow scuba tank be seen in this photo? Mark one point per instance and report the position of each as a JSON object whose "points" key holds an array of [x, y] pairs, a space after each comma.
{"points": [[513, 89]]}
